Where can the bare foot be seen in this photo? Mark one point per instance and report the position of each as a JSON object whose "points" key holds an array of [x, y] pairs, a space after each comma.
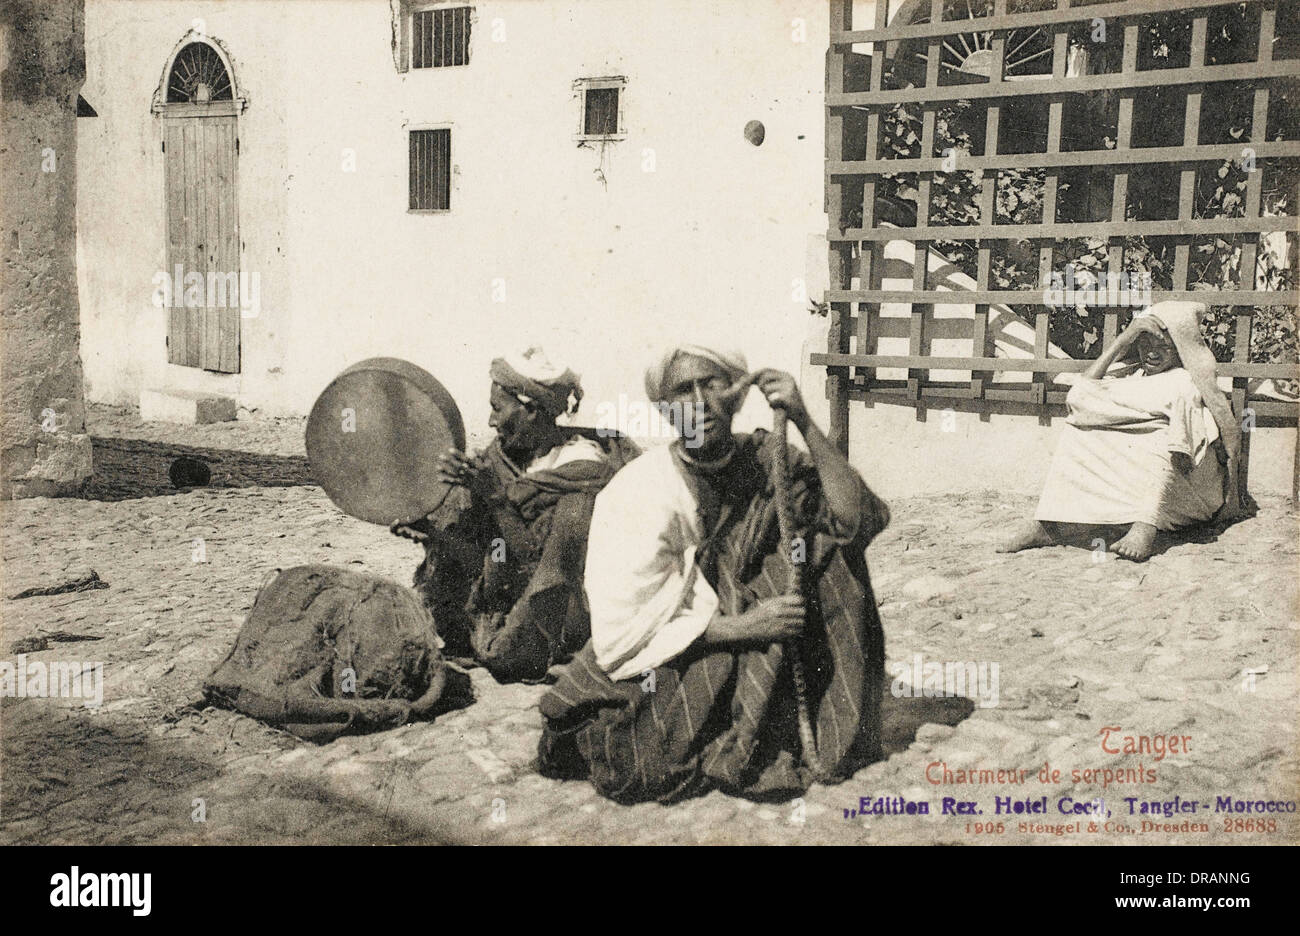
{"points": [[1137, 543], [1027, 536]]}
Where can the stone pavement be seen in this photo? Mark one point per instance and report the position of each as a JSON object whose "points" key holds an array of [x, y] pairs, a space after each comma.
{"points": [[1201, 641]]}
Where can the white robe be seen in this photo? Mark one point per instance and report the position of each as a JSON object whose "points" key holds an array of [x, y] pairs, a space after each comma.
{"points": [[1113, 464], [645, 531]]}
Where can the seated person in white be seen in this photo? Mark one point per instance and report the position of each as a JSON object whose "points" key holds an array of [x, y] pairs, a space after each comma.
{"points": [[1151, 447]]}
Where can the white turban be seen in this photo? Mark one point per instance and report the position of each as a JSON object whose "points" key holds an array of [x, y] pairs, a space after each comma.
{"points": [[733, 362], [531, 376]]}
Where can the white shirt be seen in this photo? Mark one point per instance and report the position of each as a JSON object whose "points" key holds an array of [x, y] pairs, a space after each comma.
{"points": [[577, 448], [646, 604]]}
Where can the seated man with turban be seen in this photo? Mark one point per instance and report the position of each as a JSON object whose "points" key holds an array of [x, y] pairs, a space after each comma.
{"points": [[1151, 446], [502, 573], [686, 685]]}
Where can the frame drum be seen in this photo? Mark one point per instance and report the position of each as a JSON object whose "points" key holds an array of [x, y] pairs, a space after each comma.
{"points": [[374, 438]]}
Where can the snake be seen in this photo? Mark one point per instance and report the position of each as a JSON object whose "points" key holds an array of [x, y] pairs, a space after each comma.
{"points": [[794, 574]]}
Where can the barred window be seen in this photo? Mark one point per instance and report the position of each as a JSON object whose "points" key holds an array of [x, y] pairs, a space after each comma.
{"points": [[430, 170], [601, 112], [440, 37], [602, 108]]}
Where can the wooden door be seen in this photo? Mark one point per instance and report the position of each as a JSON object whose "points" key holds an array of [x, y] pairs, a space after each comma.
{"points": [[203, 238]]}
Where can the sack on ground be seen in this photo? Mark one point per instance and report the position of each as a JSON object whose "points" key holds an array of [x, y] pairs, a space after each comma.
{"points": [[327, 650]]}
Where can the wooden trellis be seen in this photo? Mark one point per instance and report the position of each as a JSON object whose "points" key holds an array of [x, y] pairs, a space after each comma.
{"points": [[856, 324]]}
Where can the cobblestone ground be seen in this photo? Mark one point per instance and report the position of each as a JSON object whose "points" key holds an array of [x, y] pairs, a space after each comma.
{"points": [[1159, 648]]}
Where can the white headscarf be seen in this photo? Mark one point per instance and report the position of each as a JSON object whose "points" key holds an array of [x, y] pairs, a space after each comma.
{"points": [[1182, 321]]}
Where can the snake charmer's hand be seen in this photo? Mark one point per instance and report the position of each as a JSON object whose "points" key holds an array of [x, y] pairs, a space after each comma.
{"points": [[773, 620], [783, 393]]}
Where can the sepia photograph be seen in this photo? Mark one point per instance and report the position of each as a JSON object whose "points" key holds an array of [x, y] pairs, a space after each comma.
{"points": [[650, 422]]}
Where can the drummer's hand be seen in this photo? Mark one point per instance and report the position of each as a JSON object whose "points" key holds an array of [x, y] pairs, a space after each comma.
{"points": [[455, 467], [407, 530]]}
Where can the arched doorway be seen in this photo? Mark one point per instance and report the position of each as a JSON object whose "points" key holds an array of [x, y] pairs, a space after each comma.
{"points": [[198, 101]]}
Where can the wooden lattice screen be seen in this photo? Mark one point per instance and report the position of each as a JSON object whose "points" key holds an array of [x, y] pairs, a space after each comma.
{"points": [[862, 88]]}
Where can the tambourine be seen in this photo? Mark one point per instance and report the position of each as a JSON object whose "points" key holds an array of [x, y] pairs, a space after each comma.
{"points": [[374, 438]]}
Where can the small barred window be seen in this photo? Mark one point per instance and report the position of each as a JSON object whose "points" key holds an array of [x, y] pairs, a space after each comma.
{"points": [[440, 37]]}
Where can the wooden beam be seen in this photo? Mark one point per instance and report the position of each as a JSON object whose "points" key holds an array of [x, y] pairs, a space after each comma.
{"points": [[1171, 155], [1116, 81], [1037, 296], [839, 255], [1031, 365], [1068, 230]]}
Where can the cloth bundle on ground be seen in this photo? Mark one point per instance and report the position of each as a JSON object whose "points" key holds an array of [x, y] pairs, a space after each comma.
{"points": [[327, 650], [502, 573]]}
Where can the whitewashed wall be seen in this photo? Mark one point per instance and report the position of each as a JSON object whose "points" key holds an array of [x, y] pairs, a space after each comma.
{"points": [[601, 271]]}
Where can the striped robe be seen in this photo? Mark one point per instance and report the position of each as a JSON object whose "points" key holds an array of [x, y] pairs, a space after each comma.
{"points": [[726, 718]]}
